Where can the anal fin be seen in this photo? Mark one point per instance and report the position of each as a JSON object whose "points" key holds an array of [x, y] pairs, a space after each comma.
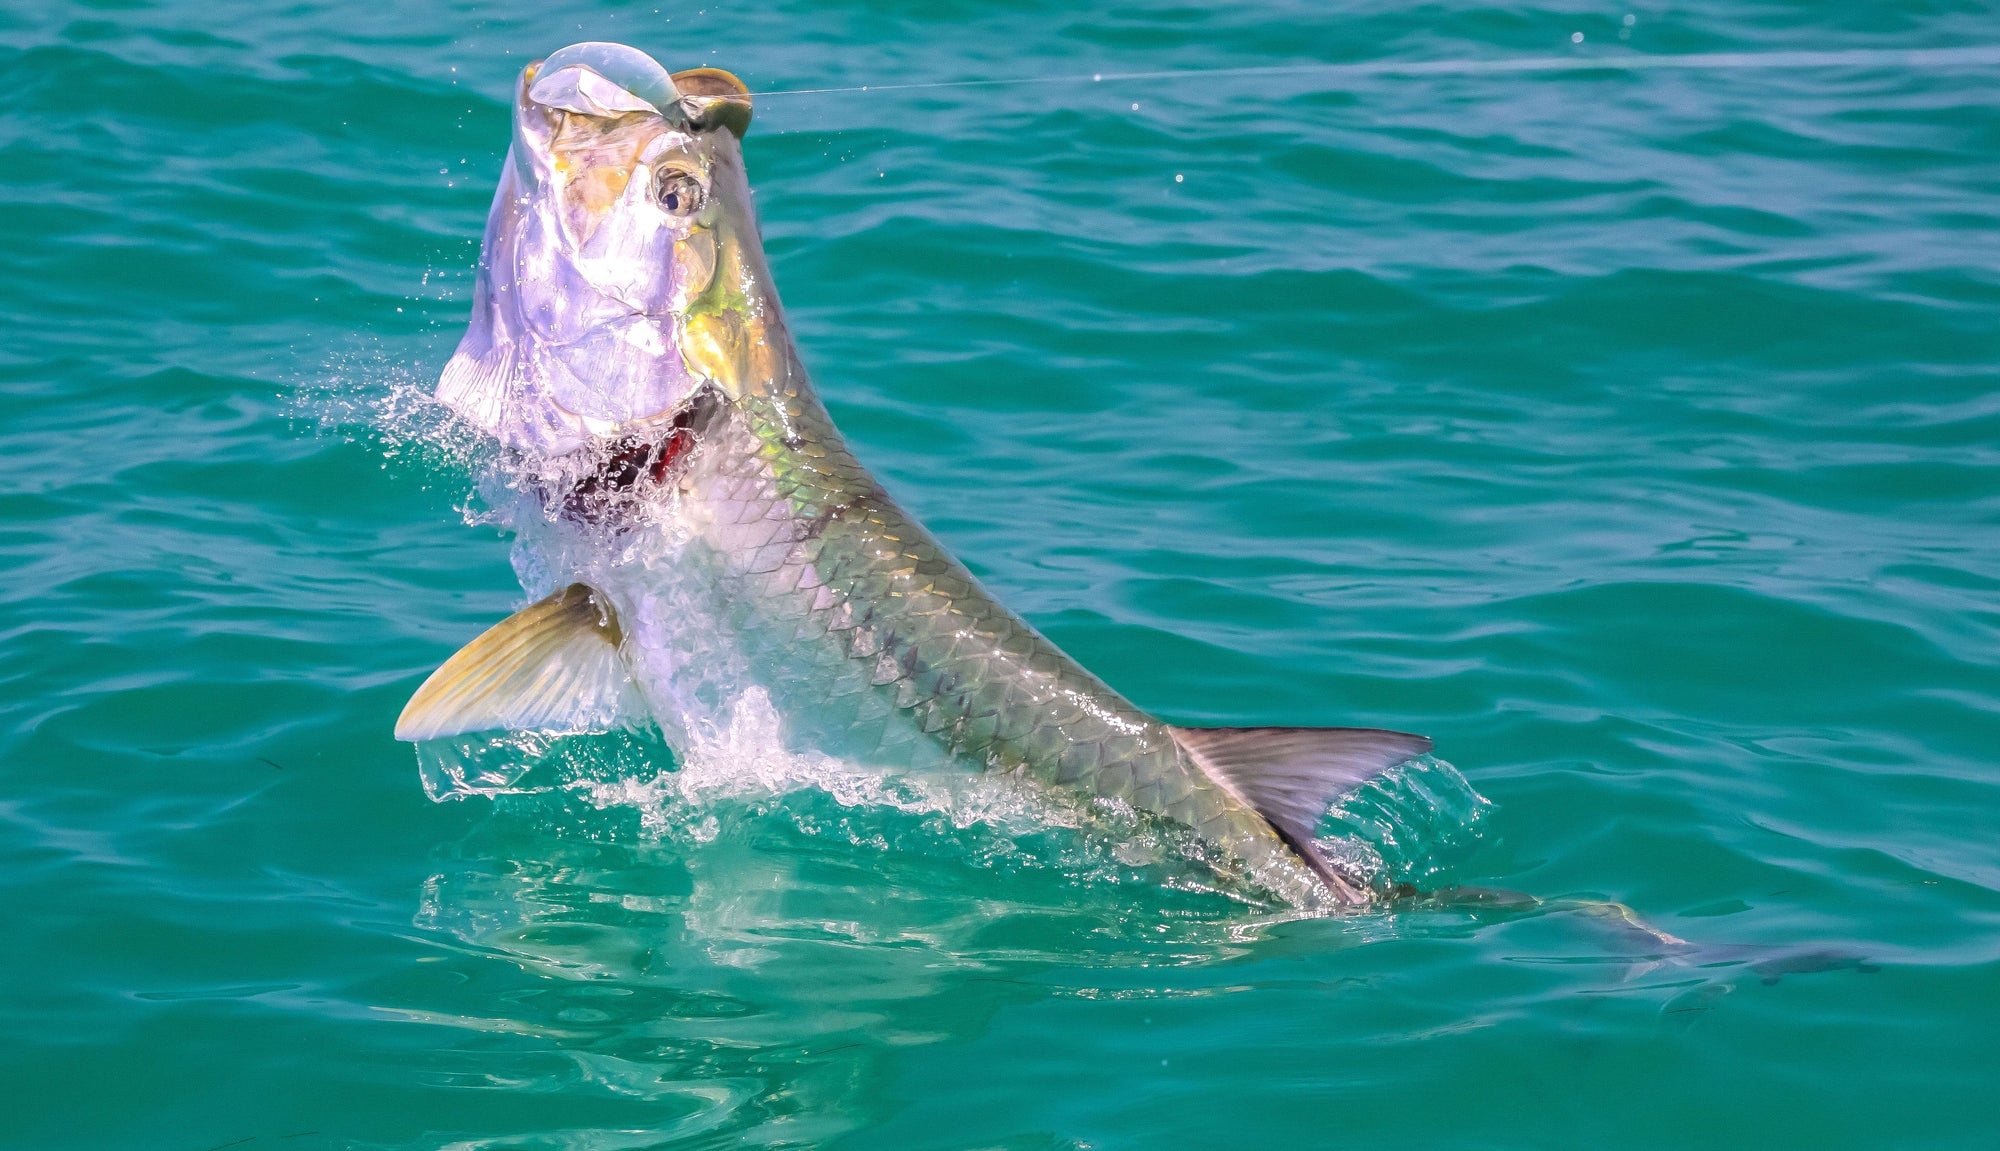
{"points": [[554, 666], [1292, 775]]}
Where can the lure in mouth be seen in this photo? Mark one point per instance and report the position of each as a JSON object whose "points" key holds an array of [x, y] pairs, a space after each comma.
{"points": [[622, 210]]}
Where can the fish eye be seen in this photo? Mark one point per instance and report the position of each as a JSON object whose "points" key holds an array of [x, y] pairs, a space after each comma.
{"points": [[678, 191]]}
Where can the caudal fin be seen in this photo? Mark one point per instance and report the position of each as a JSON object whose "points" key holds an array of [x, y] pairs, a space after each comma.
{"points": [[1292, 775]]}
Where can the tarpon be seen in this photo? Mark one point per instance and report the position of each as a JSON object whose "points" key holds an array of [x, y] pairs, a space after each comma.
{"points": [[627, 347]]}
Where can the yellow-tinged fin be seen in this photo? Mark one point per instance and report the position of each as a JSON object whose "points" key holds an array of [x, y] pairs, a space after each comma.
{"points": [[1291, 775], [553, 666]]}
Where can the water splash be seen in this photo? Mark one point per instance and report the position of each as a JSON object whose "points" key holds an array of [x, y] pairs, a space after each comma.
{"points": [[369, 396], [1406, 825], [720, 756], [741, 773]]}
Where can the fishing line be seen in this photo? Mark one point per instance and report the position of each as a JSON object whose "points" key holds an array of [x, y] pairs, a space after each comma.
{"points": [[1917, 58]]}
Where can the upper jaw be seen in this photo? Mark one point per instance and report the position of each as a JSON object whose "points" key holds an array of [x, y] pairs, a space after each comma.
{"points": [[598, 78], [593, 78], [607, 74]]}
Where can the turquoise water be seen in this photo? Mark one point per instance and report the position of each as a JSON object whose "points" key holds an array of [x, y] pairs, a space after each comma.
{"points": [[1633, 435]]}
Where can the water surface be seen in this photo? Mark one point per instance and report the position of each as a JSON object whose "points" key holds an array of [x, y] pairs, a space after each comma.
{"points": [[1633, 435]]}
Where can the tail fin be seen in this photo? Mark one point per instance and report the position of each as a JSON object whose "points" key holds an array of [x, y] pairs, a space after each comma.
{"points": [[1292, 775]]}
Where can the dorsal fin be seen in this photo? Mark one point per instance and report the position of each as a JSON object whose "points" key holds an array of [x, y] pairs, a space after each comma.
{"points": [[553, 666], [1292, 775]]}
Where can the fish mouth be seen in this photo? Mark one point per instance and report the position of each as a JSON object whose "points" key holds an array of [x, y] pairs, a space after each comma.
{"points": [[596, 78], [606, 81]]}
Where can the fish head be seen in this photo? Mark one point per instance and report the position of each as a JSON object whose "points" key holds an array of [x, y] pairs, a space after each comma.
{"points": [[622, 210]]}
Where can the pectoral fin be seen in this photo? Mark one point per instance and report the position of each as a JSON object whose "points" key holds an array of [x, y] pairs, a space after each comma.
{"points": [[1292, 775], [553, 666]]}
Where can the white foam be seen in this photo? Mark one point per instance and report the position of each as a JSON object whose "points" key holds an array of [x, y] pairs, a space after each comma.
{"points": [[1408, 823], [744, 765], [366, 396]]}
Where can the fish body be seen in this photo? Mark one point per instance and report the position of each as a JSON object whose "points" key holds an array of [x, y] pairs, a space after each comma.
{"points": [[709, 525]]}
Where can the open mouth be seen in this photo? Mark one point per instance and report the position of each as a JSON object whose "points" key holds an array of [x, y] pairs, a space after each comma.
{"points": [[595, 78], [630, 468]]}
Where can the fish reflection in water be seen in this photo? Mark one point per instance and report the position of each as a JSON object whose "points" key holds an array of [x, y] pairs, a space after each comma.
{"points": [[673, 967], [762, 984]]}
